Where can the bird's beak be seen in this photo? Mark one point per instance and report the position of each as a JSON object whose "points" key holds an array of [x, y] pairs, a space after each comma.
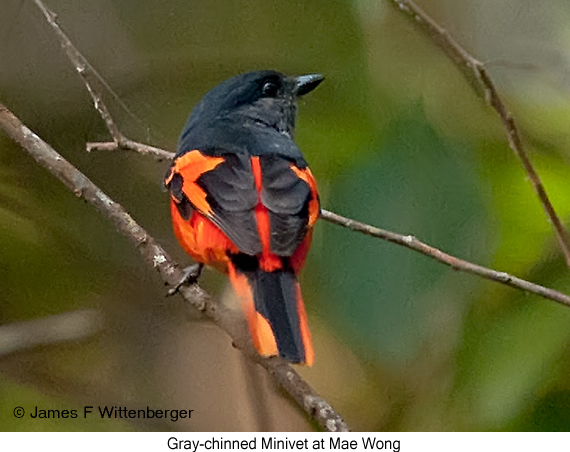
{"points": [[306, 83]]}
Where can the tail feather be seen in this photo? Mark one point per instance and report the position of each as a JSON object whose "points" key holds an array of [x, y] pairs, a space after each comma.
{"points": [[275, 312]]}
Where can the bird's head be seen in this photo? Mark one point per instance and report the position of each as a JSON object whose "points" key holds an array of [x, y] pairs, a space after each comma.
{"points": [[266, 99]]}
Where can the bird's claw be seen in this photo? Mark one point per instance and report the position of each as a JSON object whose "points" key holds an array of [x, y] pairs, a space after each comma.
{"points": [[191, 275]]}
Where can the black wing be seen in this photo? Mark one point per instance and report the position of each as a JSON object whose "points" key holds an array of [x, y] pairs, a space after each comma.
{"points": [[287, 197], [230, 192]]}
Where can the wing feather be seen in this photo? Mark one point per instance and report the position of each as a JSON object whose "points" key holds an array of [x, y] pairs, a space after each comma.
{"points": [[289, 199]]}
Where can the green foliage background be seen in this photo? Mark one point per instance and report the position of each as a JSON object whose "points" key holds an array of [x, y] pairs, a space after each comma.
{"points": [[395, 138]]}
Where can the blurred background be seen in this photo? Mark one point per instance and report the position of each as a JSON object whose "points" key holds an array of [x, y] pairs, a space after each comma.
{"points": [[395, 137]]}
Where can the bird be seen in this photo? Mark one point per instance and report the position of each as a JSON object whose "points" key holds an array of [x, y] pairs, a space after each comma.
{"points": [[244, 201]]}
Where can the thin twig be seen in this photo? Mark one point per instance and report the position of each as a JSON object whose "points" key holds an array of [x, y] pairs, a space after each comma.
{"points": [[130, 145], [84, 70], [409, 241], [480, 80], [66, 327], [89, 76], [153, 254]]}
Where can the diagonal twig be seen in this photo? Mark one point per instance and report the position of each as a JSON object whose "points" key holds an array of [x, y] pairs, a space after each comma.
{"points": [[90, 76], [153, 254], [84, 69], [480, 80], [409, 241]]}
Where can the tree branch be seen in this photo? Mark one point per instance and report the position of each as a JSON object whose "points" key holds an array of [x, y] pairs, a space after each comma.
{"points": [[409, 241], [153, 254], [89, 76], [480, 80], [85, 71], [131, 145]]}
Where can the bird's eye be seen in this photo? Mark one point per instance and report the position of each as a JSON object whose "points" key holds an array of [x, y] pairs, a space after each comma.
{"points": [[270, 89]]}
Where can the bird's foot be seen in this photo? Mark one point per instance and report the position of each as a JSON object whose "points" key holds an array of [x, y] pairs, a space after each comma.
{"points": [[191, 275]]}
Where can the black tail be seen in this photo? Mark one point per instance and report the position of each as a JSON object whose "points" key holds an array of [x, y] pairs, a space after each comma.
{"points": [[275, 312]]}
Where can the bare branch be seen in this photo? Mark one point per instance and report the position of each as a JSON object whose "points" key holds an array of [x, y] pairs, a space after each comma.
{"points": [[84, 69], [409, 241], [89, 75], [65, 327], [154, 255], [480, 80], [130, 145]]}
